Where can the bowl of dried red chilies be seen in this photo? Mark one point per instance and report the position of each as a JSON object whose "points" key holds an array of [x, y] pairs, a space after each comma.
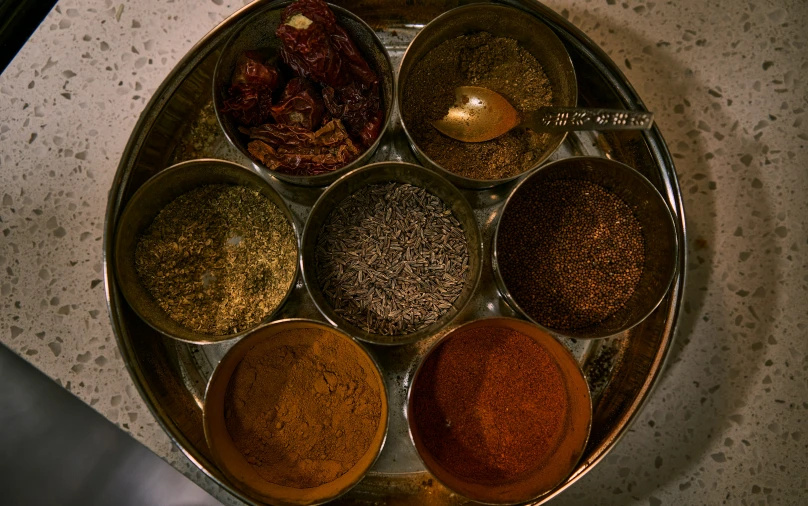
{"points": [[305, 90]]}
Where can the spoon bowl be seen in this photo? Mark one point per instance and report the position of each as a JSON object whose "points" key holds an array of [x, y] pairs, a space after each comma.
{"points": [[480, 114]]}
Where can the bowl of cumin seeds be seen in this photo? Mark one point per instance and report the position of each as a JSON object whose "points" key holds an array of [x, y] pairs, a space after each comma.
{"points": [[205, 251], [391, 253]]}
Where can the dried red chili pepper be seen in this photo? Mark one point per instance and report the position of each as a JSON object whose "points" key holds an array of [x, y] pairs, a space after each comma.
{"points": [[252, 70], [359, 110], [251, 88], [295, 150], [305, 34], [300, 105], [356, 63], [279, 135], [315, 46]]}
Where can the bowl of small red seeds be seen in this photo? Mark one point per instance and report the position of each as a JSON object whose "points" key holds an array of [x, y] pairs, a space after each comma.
{"points": [[585, 247]]}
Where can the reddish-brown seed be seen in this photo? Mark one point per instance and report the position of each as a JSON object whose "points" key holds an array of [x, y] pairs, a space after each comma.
{"points": [[490, 405], [570, 252]]}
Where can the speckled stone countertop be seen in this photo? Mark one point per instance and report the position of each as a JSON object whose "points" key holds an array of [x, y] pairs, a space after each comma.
{"points": [[727, 82]]}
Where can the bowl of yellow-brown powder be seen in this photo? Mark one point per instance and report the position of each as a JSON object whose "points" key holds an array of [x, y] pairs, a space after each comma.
{"points": [[295, 413]]}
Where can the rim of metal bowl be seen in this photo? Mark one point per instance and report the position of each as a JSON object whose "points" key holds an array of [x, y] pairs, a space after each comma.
{"points": [[567, 333], [308, 256], [456, 179], [493, 321], [216, 379], [329, 177], [134, 292]]}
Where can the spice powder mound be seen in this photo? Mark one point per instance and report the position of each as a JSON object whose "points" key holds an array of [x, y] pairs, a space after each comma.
{"points": [[218, 259], [392, 258], [490, 405], [303, 407], [481, 59], [570, 252]]}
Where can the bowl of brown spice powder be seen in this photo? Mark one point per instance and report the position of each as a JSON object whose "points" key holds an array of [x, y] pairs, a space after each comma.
{"points": [[205, 251], [499, 411], [295, 413], [391, 253], [586, 247], [493, 46]]}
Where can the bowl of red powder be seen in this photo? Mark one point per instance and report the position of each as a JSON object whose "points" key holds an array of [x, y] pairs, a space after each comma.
{"points": [[295, 413], [499, 411]]}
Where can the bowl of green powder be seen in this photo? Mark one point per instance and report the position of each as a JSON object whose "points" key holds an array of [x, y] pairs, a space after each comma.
{"points": [[205, 251]]}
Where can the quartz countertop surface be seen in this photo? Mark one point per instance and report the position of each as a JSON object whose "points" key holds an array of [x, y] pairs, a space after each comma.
{"points": [[726, 79]]}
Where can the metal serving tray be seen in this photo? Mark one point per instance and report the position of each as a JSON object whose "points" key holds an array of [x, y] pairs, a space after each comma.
{"points": [[179, 124]]}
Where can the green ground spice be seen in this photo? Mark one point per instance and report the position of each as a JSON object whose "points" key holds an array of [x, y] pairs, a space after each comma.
{"points": [[218, 259]]}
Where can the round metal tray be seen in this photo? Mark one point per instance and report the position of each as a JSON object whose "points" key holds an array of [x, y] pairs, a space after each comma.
{"points": [[179, 124]]}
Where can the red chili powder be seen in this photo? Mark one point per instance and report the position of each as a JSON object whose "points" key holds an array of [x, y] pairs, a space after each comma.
{"points": [[490, 405]]}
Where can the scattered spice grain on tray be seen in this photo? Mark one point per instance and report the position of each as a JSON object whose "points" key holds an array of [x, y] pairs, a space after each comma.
{"points": [[392, 258], [218, 259], [479, 59], [303, 407], [570, 252]]}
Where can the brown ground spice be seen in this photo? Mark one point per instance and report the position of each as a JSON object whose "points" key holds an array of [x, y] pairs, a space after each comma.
{"points": [[303, 407], [491, 405], [479, 59]]}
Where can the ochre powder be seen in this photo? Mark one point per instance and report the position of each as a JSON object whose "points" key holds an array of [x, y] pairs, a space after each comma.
{"points": [[303, 407]]}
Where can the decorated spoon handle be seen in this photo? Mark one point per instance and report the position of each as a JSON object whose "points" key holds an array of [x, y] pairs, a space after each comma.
{"points": [[568, 119]]}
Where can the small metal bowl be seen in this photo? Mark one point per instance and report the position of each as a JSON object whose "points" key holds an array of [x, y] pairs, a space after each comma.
{"points": [[231, 461], [658, 228], [257, 32], [502, 21], [384, 172], [147, 202], [546, 476]]}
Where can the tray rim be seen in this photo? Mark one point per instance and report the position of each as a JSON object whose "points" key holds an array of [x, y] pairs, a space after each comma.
{"points": [[608, 70]]}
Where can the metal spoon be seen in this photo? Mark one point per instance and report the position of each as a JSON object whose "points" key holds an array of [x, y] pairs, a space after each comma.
{"points": [[480, 114]]}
